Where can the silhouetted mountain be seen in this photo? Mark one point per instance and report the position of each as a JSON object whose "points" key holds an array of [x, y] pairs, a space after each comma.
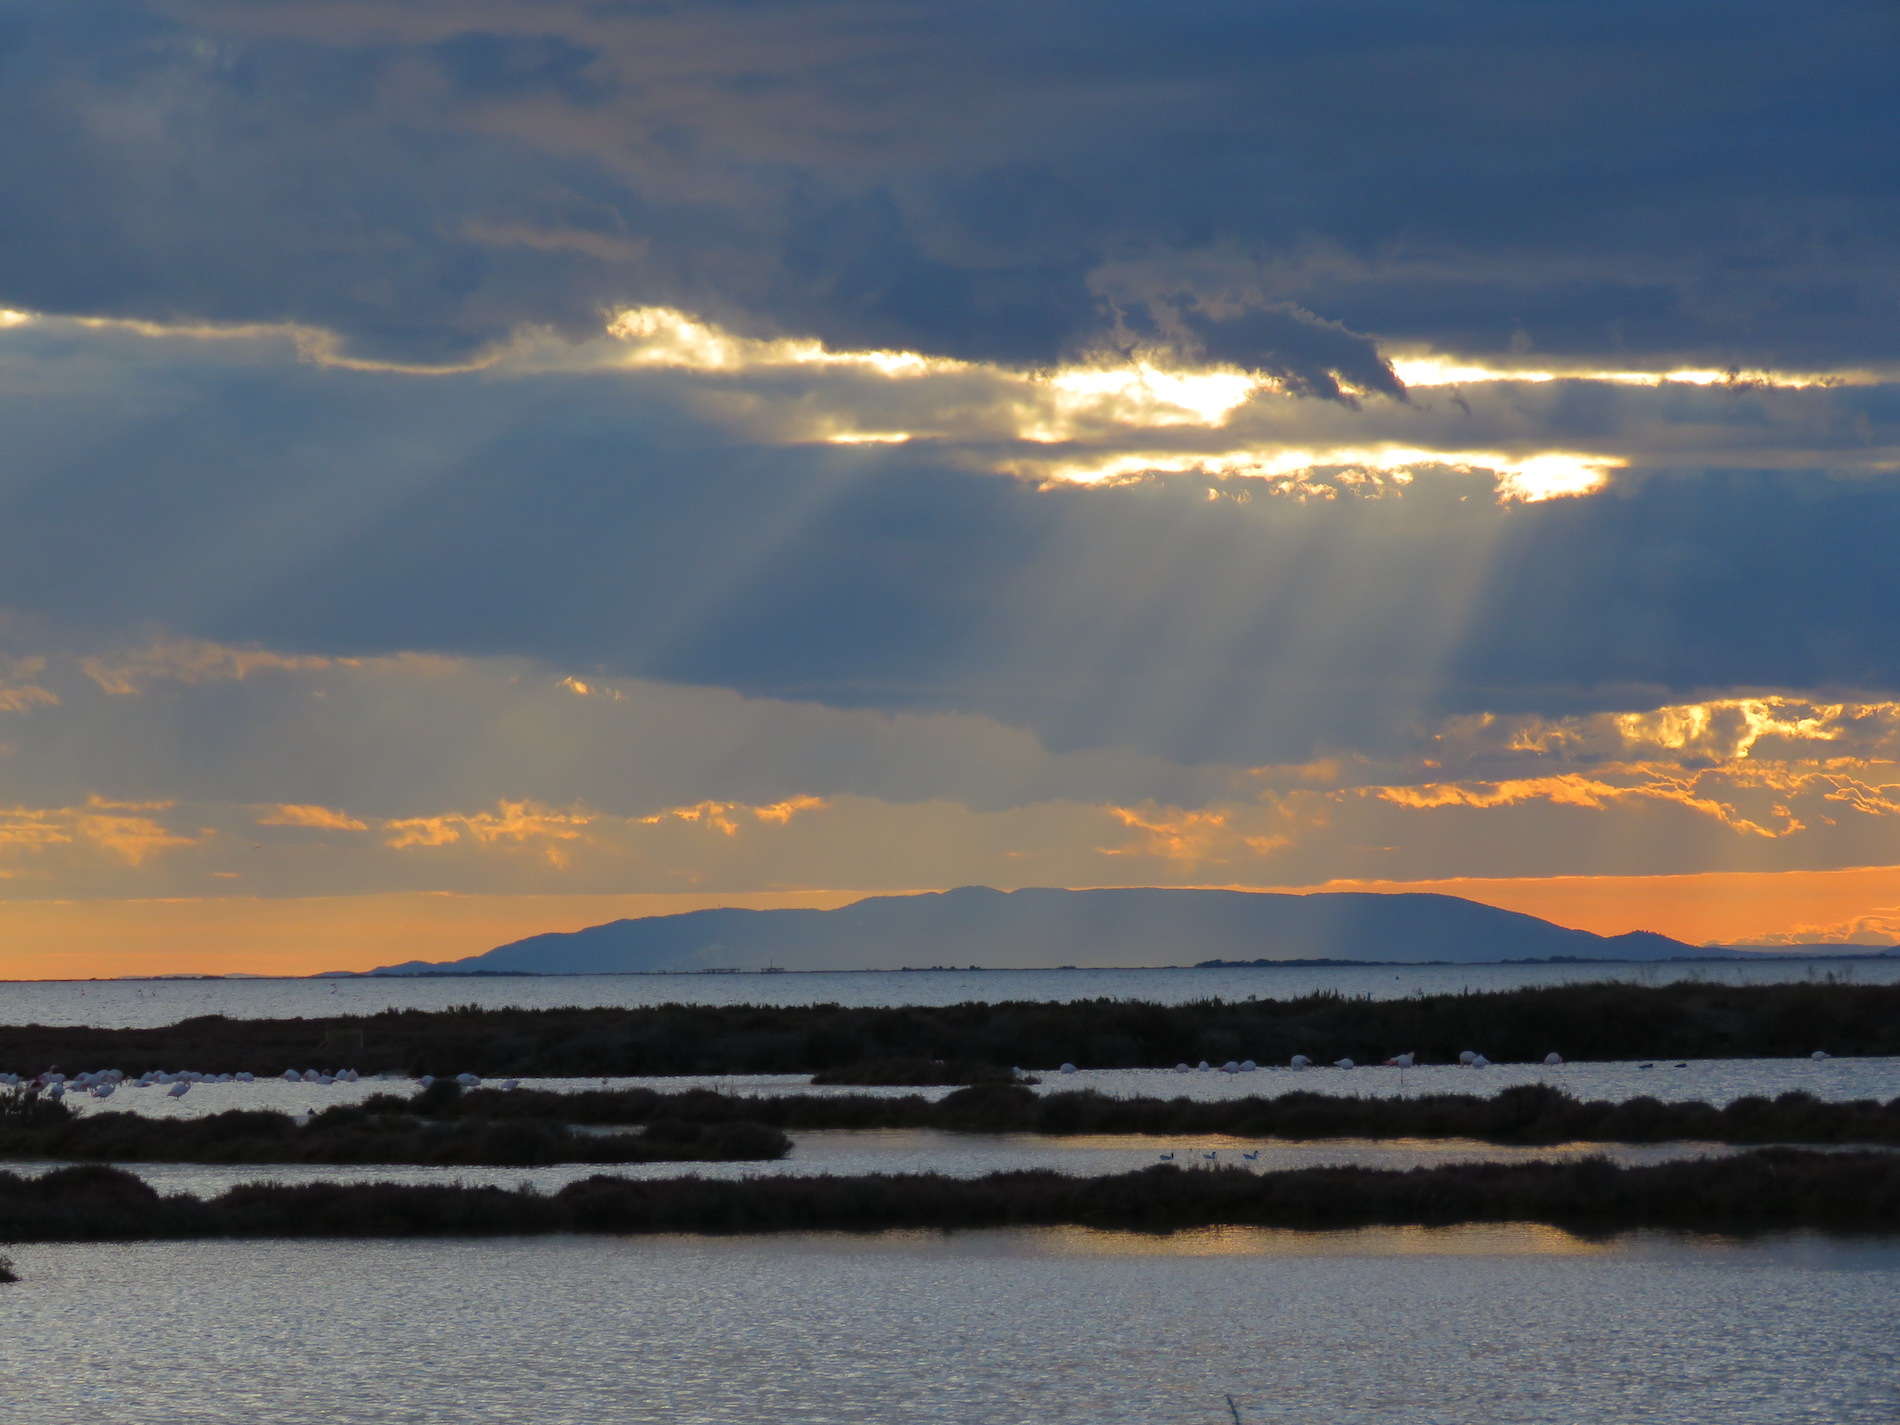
{"points": [[1014, 929]]}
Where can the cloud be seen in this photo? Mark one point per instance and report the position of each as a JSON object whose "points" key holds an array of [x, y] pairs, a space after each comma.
{"points": [[426, 184], [316, 818], [131, 833], [184, 660]]}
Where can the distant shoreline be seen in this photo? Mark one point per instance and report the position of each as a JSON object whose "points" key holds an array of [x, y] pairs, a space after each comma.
{"points": [[1790, 956]]}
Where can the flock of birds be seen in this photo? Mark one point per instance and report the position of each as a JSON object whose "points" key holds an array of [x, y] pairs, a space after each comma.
{"points": [[103, 1083]]}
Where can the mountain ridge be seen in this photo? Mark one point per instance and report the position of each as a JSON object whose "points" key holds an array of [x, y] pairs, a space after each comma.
{"points": [[1041, 927]]}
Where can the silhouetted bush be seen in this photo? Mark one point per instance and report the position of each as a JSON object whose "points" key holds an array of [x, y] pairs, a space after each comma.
{"points": [[1606, 1020], [1527, 1113], [378, 1132], [1769, 1189]]}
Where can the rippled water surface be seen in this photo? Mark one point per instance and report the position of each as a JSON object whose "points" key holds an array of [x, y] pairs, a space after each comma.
{"points": [[153, 1002], [1058, 1327]]}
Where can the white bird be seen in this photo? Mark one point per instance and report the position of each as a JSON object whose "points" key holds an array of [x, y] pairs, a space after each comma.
{"points": [[180, 1089], [1210, 1157], [1167, 1157], [1247, 1066], [426, 1080], [102, 1090], [245, 1076], [1300, 1061], [1480, 1062], [310, 1076], [1204, 1066], [1820, 1054], [1250, 1157], [56, 1091], [1342, 1063], [1553, 1059], [512, 1084], [1465, 1056], [1182, 1069], [1067, 1069], [470, 1080], [1230, 1067], [291, 1076]]}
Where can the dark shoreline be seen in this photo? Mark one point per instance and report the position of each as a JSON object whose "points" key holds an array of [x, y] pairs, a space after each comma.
{"points": [[1600, 1020], [1767, 1190], [1524, 1115]]}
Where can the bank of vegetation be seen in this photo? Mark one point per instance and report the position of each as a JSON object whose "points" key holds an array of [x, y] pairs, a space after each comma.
{"points": [[1523, 1114], [1589, 1021], [384, 1130], [1768, 1189]]}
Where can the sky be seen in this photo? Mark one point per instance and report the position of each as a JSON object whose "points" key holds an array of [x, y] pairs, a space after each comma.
{"points": [[488, 467]]}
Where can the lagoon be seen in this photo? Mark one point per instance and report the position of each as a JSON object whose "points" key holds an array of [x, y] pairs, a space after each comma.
{"points": [[149, 1003], [1023, 1327]]}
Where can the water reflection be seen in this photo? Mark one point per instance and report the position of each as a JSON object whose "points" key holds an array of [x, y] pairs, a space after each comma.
{"points": [[996, 1328]]}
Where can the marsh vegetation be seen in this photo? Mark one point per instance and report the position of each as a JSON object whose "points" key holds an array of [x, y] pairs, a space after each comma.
{"points": [[1602, 1020]]}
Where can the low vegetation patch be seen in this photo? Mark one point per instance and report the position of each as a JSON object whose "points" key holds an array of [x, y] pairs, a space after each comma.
{"points": [[1526, 1114], [1608, 1020], [1769, 1189], [383, 1130]]}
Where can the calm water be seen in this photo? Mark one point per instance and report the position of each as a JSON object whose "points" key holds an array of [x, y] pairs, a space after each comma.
{"points": [[1058, 1327], [128, 1003], [1716, 1081], [963, 1155]]}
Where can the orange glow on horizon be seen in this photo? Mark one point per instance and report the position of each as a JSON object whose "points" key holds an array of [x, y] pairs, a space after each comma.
{"points": [[1708, 908], [230, 935]]}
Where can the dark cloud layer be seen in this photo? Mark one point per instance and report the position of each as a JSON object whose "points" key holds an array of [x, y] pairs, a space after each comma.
{"points": [[1698, 183], [588, 522]]}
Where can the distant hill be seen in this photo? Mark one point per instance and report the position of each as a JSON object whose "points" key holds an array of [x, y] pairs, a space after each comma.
{"points": [[1032, 928]]}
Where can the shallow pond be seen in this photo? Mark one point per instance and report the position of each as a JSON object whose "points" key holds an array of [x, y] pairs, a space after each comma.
{"points": [[912, 1150], [1051, 1327], [1716, 1081]]}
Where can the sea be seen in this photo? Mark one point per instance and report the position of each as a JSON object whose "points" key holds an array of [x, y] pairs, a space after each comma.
{"points": [[1444, 1326], [151, 1002]]}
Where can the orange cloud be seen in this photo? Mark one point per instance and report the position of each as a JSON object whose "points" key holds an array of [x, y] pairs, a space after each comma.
{"points": [[195, 661], [782, 812], [18, 690], [1171, 834], [316, 817], [125, 830], [722, 817], [522, 823], [1573, 789]]}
